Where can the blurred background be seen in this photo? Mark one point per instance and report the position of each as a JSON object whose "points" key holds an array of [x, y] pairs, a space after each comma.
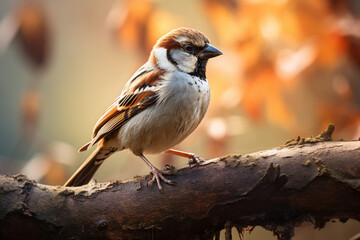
{"points": [[289, 68]]}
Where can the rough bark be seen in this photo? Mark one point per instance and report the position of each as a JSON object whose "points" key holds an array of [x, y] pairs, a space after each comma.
{"points": [[309, 179]]}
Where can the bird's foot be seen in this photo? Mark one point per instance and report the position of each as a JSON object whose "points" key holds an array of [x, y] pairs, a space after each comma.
{"points": [[168, 170], [158, 175], [194, 160]]}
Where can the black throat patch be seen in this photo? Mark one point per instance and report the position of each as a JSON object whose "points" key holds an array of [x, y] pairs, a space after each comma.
{"points": [[200, 69]]}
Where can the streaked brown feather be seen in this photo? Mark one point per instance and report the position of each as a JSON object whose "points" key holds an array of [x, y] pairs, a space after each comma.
{"points": [[150, 79], [110, 113], [127, 106]]}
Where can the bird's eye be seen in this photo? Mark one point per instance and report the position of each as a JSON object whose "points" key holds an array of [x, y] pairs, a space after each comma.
{"points": [[188, 48]]}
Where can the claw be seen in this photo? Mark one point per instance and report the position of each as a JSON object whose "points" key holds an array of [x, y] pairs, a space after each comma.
{"points": [[194, 159], [169, 170], [157, 175]]}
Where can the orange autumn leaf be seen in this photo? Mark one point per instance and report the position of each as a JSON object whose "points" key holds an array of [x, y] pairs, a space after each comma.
{"points": [[139, 23], [33, 32], [160, 23], [128, 21], [30, 105], [223, 17], [331, 50], [277, 111], [30, 109], [344, 115], [262, 94], [354, 49], [252, 100], [56, 174]]}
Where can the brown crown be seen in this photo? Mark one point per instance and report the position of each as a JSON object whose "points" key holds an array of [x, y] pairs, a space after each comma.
{"points": [[178, 37]]}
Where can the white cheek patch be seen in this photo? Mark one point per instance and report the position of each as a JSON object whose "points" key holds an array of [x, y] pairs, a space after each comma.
{"points": [[185, 62], [162, 60]]}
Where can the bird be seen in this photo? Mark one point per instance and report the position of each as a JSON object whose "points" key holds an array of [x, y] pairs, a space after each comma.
{"points": [[160, 105]]}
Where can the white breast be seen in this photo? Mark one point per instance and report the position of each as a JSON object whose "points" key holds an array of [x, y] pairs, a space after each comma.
{"points": [[182, 104]]}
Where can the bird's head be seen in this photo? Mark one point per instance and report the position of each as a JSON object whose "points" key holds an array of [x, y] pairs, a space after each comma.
{"points": [[185, 49]]}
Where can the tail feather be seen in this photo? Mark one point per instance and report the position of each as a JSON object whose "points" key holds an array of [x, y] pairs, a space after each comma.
{"points": [[87, 170], [91, 143], [85, 147]]}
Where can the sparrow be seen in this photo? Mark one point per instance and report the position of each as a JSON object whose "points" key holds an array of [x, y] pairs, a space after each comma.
{"points": [[160, 105]]}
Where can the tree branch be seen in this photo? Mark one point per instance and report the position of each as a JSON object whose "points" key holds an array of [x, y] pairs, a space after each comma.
{"points": [[279, 188]]}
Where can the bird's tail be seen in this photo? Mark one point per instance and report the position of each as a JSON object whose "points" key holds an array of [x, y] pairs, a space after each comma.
{"points": [[87, 170]]}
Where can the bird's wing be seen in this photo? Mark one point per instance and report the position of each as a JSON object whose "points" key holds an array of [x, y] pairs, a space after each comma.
{"points": [[139, 93]]}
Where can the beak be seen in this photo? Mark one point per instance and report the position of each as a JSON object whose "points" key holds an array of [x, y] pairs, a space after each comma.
{"points": [[209, 52]]}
